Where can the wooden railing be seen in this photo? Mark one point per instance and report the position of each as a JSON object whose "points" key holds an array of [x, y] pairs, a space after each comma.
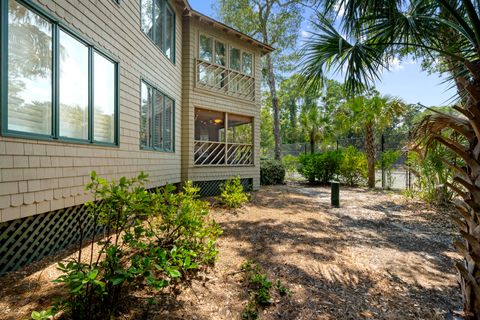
{"points": [[224, 80], [208, 153]]}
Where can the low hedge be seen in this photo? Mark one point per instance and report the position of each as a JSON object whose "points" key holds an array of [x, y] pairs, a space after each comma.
{"points": [[271, 172]]}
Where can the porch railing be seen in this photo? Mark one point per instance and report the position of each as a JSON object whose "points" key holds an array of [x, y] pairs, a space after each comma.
{"points": [[223, 80], [208, 153]]}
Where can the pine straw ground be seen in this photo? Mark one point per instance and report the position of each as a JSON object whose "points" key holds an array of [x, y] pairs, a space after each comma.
{"points": [[378, 256]]}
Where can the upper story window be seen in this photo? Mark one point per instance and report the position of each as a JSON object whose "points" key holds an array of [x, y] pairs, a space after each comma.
{"points": [[157, 117], [225, 68], [58, 87], [214, 51], [158, 23]]}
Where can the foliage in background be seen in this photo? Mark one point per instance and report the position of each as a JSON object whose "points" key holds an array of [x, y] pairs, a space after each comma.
{"points": [[306, 116], [267, 141], [152, 239], [353, 167], [276, 23], [431, 175], [366, 38], [386, 162], [320, 167], [368, 113], [271, 172], [290, 163], [260, 289], [232, 194]]}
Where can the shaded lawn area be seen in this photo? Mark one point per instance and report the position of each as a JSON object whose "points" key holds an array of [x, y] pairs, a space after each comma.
{"points": [[378, 256]]}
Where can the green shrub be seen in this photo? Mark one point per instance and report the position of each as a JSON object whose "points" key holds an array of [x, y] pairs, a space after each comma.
{"points": [[153, 239], [353, 168], [290, 163], [271, 172], [321, 167], [232, 194]]}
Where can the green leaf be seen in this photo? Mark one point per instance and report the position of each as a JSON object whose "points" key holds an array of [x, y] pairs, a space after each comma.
{"points": [[118, 280], [92, 275], [174, 273]]}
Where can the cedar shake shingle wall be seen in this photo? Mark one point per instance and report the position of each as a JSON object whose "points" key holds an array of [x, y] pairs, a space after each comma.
{"points": [[194, 97], [38, 176]]}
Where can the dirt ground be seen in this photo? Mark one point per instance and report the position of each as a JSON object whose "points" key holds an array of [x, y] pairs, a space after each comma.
{"points": [[378, 256]]}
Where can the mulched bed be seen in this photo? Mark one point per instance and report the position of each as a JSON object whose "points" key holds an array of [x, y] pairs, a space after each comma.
{"points": [[378, 256]]}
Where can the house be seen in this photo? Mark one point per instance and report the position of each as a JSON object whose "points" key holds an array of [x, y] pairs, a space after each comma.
{"points": [[117, 87]]}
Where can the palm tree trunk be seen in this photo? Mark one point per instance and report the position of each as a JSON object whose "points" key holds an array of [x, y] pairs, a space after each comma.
{"points": [[465, 183], [370, 150]]}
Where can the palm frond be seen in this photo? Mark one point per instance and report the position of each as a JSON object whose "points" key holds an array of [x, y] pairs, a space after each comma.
{"points": [[361, 60]]}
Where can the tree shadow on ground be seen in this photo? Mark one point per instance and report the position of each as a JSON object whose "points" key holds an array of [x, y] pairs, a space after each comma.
{"points": [[409, 274]]}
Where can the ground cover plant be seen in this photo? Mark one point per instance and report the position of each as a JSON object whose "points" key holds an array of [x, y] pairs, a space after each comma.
{"points": [[152, 239], [260, 289]]}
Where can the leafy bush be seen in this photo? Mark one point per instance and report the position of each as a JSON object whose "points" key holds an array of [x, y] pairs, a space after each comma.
{"points": [[271, 172], [353, 168], [386, 161], [321, 167], [432, 174], [151, 238], [232, 194], [290, 163]]}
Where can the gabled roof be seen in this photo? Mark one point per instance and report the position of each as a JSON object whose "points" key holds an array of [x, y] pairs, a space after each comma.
{"points": [[189, 11]]}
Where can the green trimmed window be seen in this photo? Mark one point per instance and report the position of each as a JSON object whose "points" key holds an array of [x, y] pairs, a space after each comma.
{"points": [[58, 86], [158, 23], [157, 118]]}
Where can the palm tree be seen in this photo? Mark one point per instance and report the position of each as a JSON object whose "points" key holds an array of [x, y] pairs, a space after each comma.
{"points": [[311, 121], [369, 114], [373, 32]]}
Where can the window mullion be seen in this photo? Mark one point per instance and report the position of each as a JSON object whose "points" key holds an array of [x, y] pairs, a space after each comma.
{"points": [[154, 28], [55, 81], [164, 26], [150, 122], [164, 120], [90, 94], [4, 64]]}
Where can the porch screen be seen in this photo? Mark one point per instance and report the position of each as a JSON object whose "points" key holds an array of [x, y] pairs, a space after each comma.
{"points": [[222, 138]]}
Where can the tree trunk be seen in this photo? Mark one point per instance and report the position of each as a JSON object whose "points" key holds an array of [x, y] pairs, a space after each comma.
{"points": [[275, 107], [370, 150]]}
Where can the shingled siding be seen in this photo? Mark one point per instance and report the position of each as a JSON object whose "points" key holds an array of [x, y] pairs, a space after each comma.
{"points": [[195, 97], [41, 176]]}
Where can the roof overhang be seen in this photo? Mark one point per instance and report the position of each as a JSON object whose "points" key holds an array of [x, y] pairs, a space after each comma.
{"points": [[189, 11]]}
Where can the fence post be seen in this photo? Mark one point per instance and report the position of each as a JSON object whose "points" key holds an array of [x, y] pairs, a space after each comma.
{"points": [[381, 158]]}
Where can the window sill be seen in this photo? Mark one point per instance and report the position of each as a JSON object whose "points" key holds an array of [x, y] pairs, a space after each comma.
{"points": [[34, 136], [142, 148]]}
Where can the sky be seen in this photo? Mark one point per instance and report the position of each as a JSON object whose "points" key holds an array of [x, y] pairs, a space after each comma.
{"points": [[405, 80]]}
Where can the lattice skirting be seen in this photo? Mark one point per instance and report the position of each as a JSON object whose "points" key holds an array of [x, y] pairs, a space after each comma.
{"points": [[23, 241], [212, 188], [26, 240]]}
